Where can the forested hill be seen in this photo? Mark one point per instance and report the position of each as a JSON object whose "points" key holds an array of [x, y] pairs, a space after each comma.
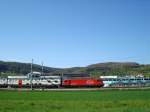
{"points": [[111, 68], [18, 68]]}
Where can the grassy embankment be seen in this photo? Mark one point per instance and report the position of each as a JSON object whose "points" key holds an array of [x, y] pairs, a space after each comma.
{"points": [[78, 101]]}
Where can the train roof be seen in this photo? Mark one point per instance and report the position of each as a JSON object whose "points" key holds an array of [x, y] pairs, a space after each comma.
{"points": [[76, 75], [108, 77], [17, 77]]}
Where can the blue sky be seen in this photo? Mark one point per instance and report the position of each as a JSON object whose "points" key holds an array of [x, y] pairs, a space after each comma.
{"points": [[69, 33]]}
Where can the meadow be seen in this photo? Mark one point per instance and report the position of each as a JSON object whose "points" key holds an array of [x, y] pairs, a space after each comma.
{"points": [[75, 101]]}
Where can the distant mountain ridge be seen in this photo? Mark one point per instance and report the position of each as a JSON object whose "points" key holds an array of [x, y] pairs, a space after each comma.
{"points": [[109, 68]]}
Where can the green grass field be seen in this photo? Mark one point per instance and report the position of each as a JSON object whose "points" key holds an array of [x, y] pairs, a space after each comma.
{"points": [[77, 101]]}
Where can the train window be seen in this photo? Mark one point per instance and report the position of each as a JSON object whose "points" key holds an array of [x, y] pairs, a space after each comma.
{"points": [[56, 81], [48, 81]]}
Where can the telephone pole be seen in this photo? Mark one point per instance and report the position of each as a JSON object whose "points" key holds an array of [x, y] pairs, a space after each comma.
{"points": [[31, 75], [42, 68]]}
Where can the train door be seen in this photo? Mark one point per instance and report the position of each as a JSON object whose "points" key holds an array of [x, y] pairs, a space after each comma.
{"points": [[20, 83]]}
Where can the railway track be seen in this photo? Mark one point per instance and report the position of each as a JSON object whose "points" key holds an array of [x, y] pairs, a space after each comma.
{"points": [[72, 89]]}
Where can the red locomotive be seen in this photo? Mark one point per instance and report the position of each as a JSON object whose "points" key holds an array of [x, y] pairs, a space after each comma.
{"points": [[82, 82]]}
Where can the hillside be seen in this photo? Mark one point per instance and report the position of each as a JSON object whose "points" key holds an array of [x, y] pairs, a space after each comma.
{"points": [[111, 68], [13, 68]]}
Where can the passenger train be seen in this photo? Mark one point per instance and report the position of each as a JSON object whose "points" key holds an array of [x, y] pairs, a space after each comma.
{"points": [[126, 81], [36, 80]]}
